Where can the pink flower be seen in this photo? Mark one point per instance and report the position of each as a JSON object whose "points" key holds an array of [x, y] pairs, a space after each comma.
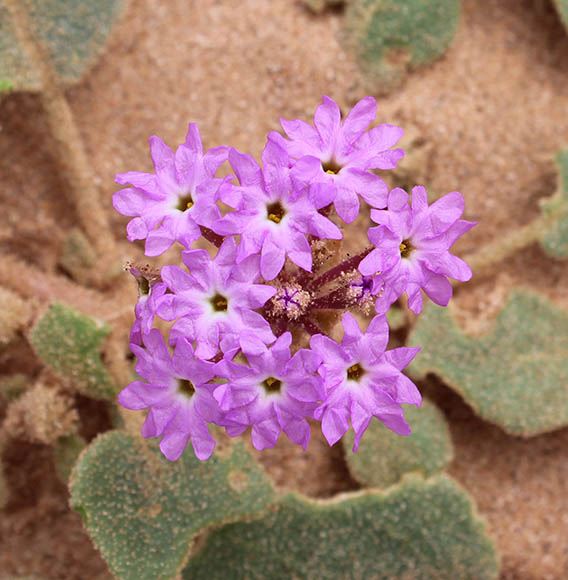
{"points": [[271, 216], [176, 391], [275, 392], [170, 204], [216, 300], [363, 381], [334, 158], [412, 248]]}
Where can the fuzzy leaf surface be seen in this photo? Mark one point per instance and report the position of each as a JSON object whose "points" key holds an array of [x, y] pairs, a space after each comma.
{"points": [[418, 530], [555, 237], [384, 457], [516, 375], [71, 344], [392, 37], [73, 33], [143, 511]]}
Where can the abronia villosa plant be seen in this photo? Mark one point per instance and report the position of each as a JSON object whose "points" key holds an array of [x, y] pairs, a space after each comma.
{"points": [[250, 342]]}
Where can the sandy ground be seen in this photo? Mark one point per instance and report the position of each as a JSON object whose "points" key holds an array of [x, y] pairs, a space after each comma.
{"points": [[493, 113]]}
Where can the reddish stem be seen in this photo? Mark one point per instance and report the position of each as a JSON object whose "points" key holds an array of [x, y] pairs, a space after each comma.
{"points": [[310, 326], [336, 271], [335, 300], [211, 236]]}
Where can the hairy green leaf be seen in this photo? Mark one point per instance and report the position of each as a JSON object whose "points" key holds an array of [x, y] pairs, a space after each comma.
{"points": [[142, 511], [515, 375], [392, 37], [72, 31], [71, 344], [418, 530], [384, 457], [555, 237]]}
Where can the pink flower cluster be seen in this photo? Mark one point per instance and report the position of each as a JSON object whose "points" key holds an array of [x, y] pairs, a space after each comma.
{"points": [[249, 325]]}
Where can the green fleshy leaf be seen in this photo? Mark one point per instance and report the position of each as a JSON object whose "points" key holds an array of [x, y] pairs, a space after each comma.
{"points": [[142, 511], [555, 237], [392, 37], [420, 530], [71, 344], [66, 451], [72, 31], [562, 7], [384, 457], [514, 376]]}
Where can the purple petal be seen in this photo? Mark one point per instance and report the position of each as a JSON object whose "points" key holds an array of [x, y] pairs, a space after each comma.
{"points": [[159, 241], [299, 130], [198, 263], [176, 279], [214, 158], [419, 200], [401, 357], [438, 289], [203, 446], [358, 119], [307, 169], [379, 260], [297, 428], [265, 433], [323, 227], [276, 171], [130, 201], [299, 251], [322, 193], [193, 139], [163, 159], [335, 423], [351, 330], [328, 349], [380, 138], [398, 199], [247, 169], [327, 120], [139, 395], [272, 258], [136, 229], [444, 212], [258, 294], [378, 333], [346, 202], [368, 185]]}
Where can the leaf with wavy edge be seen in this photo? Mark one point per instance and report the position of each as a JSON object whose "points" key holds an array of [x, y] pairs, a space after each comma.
{"points": [[420, 529], [515, 375], [143, 511]]}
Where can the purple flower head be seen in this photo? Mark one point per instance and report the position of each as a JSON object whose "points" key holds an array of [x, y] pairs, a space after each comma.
{"points": [[177, 394], [334, 158], [271, 216], [170, 204], [363, 381], [412, 248], [276, 392], [215, 301]]}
